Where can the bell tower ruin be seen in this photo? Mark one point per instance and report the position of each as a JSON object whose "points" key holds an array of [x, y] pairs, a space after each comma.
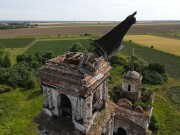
{"points": [[70, 93], [75, 87]]}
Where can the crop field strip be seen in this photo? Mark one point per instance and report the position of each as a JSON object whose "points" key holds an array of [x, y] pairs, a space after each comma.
{"points": [[170, 61], [16, 42], [164, 44], [98, 29], [56, 46]]}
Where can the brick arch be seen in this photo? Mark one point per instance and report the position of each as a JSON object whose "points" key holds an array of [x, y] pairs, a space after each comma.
{"points": [[129, 126]]}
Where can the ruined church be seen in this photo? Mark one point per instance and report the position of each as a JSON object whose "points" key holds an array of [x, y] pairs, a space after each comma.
{"points": [[75, 88]]}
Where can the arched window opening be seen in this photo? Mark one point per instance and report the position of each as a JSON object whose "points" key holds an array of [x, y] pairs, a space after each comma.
{"points": [[121, 131], [129, 87]]}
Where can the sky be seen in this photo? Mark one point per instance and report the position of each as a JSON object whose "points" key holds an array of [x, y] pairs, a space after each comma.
{"points": [[88, 10]]}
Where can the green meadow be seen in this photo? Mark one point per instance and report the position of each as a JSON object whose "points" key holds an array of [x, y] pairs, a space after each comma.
{"points": [[58, 46], [16, 42]]}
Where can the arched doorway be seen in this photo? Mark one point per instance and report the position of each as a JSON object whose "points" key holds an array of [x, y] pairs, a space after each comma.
{"points": [[66, 107], [121, 131]]}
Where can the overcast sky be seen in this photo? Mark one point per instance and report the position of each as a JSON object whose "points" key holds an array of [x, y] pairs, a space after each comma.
{"points": [[89, 10]]}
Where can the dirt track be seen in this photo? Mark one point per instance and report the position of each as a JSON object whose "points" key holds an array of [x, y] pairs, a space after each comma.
{"points": [[136, 29]]}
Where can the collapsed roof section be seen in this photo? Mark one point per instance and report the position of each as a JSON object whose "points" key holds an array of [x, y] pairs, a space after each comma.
{"points": [[63, 73]]}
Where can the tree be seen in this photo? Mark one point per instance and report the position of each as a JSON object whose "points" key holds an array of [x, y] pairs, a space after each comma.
{"points": [[152, 77], [2, 52], [116, 60], [20, 58], [77, 47], [7, 61], [49, 55], [153, 126], [31, 83], [40, 57], [157, 67], [30, 58]]}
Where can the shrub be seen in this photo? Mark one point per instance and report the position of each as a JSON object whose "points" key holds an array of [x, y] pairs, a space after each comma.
{"points": [[34, 64], [140, 103], [20, 58], [130, 41], [17, 75], [152, 46], [157, 67], [153, 125], [152, 77], [4, 89], [49, 55], [77, 47], [116, 60], [31, 83]]}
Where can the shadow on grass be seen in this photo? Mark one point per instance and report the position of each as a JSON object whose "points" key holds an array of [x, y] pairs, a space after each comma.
{"points": [[55, 124], [34, 94]]}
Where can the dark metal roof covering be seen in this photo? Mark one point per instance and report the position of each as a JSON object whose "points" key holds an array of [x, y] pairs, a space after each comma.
{"points": [[109, 44]]}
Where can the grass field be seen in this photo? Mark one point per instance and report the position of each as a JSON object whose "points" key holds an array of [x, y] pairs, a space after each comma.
{"points": [[18, 108], [166, 111], [16, 42], [170, 61], [16, 46], [57, 46], [164, 44]]}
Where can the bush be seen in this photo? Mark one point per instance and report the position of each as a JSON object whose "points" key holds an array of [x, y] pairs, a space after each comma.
{"points": [[153, 125], [35, 64], [152, 46], [140, 103], [157, 67], [77, 47], [20, 58], [152, 77], [5, 60], [49, 55], [146, 95], [130, 41], [4, 89], [31, 84], [17, 76], [139, 64], [116, 60], [153, 73]]}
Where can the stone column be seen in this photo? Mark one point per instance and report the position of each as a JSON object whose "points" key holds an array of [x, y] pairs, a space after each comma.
{"points": [[50, 99], [45, 98], [87, 110], [105, 93]]}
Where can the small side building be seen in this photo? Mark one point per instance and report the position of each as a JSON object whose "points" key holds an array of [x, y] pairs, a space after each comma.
{"points": [[130, 120], [131, 85]]}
